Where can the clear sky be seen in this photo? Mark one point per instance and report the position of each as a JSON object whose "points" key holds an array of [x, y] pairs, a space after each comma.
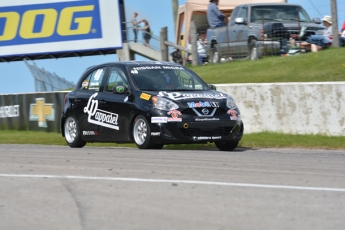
{"points": [[16, 77]]}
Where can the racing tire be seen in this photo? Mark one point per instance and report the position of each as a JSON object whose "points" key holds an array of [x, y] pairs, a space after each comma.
{"points": [[215, 58], [226, 146], [72, 133], [141, 134], [253, 50]]}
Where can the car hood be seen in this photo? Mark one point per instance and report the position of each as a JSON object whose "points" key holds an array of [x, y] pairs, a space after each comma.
{"points": [[291, 24]]}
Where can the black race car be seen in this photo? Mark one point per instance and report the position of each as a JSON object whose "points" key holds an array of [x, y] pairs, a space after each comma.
{"points": [[150, 103]]}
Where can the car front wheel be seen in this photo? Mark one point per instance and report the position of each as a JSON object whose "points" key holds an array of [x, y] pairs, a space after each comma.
{"points": [[142, 134], [72, 133], [226, 146]]}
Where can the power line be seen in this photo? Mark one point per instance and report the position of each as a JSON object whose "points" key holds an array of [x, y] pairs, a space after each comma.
{"points": [[315, 8]]}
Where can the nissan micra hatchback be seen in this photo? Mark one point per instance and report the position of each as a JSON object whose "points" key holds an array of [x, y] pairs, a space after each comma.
{"points": [[151, 104]]}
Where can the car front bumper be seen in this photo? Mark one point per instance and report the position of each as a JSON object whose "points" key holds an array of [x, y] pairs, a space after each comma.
{"points": [[187, 132]]}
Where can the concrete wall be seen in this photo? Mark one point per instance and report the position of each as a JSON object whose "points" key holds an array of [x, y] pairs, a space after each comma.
{"points": [[296, 108]]}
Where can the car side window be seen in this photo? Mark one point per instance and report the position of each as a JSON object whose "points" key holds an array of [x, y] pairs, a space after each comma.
{"points": [[234, 15], [116, 78], [244, 14], [187, 81], [93, 81]]}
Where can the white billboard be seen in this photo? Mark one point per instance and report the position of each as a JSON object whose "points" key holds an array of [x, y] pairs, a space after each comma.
{"points": [[44, 27]]}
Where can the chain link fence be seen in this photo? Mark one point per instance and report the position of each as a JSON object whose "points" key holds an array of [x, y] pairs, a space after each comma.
{"points": [[257, 32]]}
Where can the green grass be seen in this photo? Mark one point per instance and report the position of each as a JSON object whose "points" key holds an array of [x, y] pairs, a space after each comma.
{"points": [[325, 65], [257, 140]]}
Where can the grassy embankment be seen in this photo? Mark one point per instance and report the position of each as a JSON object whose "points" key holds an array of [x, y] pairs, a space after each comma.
{"points": [[327, 65]]}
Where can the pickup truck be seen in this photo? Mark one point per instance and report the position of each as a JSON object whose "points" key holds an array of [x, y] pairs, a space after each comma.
{"points": [[260, 29]]}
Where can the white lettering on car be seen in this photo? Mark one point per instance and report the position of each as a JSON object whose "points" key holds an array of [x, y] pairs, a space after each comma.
{"points": [[207, 119], [207, 138], [100, 117], [98, 74], [179, 96], [159, 119], [155, 133], [90, 133]]}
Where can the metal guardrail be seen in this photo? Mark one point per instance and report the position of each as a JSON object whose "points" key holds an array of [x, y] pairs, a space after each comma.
{"points": [[154, 41], [46, 81]]}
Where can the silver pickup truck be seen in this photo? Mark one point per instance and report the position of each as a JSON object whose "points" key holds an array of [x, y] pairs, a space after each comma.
{"points": [[260, 29]]}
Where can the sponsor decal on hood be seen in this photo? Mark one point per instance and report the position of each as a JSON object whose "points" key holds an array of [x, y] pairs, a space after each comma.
{"points": [[181, 96]]}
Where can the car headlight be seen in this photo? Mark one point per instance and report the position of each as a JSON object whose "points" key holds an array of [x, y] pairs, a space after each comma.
{"points": [[163, 104], [230, 103]]}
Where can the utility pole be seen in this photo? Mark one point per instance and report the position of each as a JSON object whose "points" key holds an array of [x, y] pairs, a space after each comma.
{"points": [[335, 32], [174, 4]]}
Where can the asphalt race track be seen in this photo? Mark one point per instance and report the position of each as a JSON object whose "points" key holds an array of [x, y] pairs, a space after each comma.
{"points": [[56, 187]]}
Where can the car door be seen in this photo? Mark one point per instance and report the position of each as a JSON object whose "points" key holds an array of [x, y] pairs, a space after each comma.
{"points": [[117, 105], [232, 33], [242, 32], [85, 104]]}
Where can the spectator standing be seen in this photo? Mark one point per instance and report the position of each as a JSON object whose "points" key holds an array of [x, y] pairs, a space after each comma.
{"points": [[147, 32], [215, 18], [135, 26]]}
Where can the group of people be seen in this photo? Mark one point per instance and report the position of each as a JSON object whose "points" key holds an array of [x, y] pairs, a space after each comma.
{"points": [[146, 29]]}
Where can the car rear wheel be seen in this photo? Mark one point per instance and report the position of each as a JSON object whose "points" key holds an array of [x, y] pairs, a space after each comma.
{"points": [[141, 134], [72, 133], [226, 146]]}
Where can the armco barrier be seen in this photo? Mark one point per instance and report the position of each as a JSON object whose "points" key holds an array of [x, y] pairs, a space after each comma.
{"points": [[296, 108], [31, 111]]}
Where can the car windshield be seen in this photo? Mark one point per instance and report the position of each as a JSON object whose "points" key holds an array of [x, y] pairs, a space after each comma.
{"points": [[166, 78], [278, 13]]}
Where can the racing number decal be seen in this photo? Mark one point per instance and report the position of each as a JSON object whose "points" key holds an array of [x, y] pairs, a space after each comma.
{"points": [[145, 96]]}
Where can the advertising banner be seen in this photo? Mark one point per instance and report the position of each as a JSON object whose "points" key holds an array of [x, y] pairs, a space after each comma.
{"points": [[48, 27], [35, 111]]}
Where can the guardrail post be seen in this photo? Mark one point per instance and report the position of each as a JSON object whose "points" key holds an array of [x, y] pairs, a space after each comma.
{"points": [[164, 47], [335, 24], [194, 44]]}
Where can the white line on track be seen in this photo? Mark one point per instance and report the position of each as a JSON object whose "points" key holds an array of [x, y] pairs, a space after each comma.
{"points": [[177, 181]]}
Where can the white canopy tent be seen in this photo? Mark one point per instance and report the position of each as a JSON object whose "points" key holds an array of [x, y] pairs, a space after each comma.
{"points": [[195, 8]]}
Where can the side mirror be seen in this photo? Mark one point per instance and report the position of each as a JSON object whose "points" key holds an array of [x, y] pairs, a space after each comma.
{"points": [[120, 89], [240, 21], [317, 20], [212, 87]]}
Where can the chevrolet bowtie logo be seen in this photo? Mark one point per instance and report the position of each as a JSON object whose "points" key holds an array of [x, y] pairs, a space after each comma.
{"points": [[42, 112]]}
